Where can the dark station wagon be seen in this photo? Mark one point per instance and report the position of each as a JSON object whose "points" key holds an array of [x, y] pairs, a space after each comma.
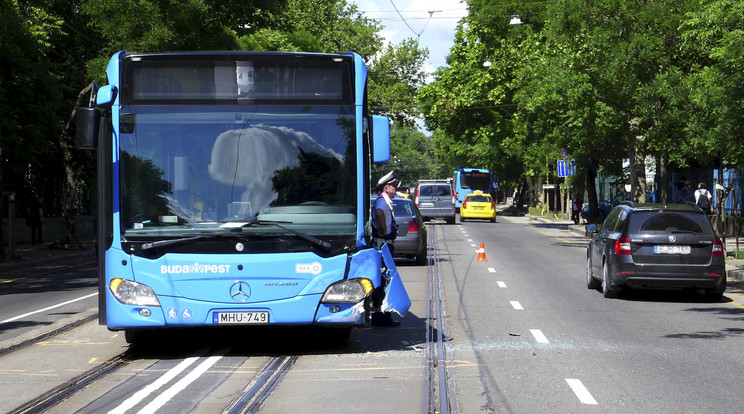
{"points": [[412, 235], [655, 245]]}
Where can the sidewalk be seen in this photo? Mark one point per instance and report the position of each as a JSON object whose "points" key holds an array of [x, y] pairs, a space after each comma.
{"points": [[734, 267], [28, 256]]}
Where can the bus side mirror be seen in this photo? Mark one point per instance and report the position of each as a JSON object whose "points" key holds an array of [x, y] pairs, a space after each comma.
{"points": [[380, 139], [87, 121], [106, 96]]}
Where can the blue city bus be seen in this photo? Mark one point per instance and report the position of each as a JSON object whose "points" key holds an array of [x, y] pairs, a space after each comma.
{"points": [[467, 180], [234, 190]]}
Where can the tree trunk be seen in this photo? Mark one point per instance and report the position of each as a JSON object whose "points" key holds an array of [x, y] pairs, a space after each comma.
{"points": [[662, 177], [637, 163], [70, 189], [722, 192], [591, 191], [531, 187]]}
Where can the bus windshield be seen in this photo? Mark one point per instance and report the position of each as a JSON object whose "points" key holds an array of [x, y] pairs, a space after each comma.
{"points": [[213, 168], [476, 181]]}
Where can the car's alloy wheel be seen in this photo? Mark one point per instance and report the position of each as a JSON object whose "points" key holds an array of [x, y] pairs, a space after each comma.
{"points": [[591, 282], [607, 290]]}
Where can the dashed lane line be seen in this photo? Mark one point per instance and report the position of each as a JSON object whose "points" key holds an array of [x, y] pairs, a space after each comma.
{"points": [[581, 392], [539, 336]]}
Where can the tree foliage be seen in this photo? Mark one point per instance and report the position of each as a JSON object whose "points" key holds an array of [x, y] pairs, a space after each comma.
{"points": [[50, 50], [604, 80]]}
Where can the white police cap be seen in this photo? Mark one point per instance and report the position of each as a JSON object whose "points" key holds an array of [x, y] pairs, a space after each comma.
{"points": [[388, 179]]}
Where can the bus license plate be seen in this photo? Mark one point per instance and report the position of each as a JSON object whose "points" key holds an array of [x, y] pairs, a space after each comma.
{"points": [[671, 249], [241, 318]]}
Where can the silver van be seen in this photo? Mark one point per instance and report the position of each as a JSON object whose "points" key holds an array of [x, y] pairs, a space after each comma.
{"points": [[435, 199]]}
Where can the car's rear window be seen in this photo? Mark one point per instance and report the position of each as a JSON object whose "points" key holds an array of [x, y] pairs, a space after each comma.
{"points": [[443, 190], [479, 199], [669, 222], [402, 208], [434, 191]]}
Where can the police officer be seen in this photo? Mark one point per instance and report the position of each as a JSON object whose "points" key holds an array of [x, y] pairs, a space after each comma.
{"points": [[384, 228], [384, 231]]}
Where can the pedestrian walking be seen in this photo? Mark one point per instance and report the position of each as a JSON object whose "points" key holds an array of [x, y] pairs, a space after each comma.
{"points": [[34, 220], [576, 204], [704, 199], [685, 195]]}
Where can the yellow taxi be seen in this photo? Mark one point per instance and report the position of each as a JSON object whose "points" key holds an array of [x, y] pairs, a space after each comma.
{"points": [[478, 205]]}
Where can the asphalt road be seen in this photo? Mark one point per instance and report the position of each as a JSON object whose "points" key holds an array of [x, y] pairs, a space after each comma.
{"points": [[530, 337], [525, 336]]}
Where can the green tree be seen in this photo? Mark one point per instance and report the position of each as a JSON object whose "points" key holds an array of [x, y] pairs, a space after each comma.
{"points": [[412, 156], [395, 77]]}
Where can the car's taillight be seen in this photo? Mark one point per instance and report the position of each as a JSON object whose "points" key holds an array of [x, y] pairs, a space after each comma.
{"points": [[717, 248], [493, 205], [415, 201], [622, 246], [413, 227], [465, 203]]}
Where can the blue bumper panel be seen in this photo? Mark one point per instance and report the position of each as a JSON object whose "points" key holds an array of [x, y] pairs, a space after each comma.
{"points": [[396, 297]]}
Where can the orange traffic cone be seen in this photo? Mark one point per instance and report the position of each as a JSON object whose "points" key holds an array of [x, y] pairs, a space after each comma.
{"points": [[481, 254]]}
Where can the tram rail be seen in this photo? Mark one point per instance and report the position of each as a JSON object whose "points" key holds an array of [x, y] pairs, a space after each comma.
{"points": [[439, 395]]}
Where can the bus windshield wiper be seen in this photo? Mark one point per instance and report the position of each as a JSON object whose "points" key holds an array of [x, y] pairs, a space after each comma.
{"points": [[312, 239], [171, 242]]}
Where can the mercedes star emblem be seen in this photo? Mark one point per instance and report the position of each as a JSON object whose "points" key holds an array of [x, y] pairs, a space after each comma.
{"points": [[240, 291]]}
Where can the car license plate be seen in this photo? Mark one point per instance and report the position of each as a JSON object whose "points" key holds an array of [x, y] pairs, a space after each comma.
{"points": [[671, 249], [241, 318], [427, 204]]}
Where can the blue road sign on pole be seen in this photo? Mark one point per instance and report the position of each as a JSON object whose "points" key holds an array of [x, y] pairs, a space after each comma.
{"points": [[566, 168]]}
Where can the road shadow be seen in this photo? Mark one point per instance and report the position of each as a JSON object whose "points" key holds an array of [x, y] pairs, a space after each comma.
{"points": [[556, 226], [282, 340], [670, 295]]}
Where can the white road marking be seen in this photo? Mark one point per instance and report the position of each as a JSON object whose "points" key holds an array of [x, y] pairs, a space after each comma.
{"points": [[470, 240], [515, 304], [539, 336], [171, 392], [48, 308], [580, 390], [152, 387], [501, 284], [492, 270]]}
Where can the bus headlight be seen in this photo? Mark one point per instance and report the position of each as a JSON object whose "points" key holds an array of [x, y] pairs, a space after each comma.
{"points": [[133, 293], [348, 291]]}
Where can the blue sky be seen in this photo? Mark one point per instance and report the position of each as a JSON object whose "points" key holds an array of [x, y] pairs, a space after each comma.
{"points": [[433, 22]]}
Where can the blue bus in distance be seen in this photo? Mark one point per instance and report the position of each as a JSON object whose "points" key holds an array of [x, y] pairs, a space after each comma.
{"points": [[234, 190], [467, 180]]}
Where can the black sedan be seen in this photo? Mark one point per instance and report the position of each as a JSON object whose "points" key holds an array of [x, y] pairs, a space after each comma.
{"points": [[411, 240], [655, 245]]}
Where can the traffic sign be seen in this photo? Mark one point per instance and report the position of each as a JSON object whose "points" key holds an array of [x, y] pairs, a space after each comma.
{"points": [[566, 168]]}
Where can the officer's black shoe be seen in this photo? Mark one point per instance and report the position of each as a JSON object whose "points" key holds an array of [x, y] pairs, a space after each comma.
{"points": [[384, 319]]}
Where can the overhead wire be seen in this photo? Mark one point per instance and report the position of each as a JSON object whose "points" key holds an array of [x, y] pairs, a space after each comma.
{"points": [[418, 34]]}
